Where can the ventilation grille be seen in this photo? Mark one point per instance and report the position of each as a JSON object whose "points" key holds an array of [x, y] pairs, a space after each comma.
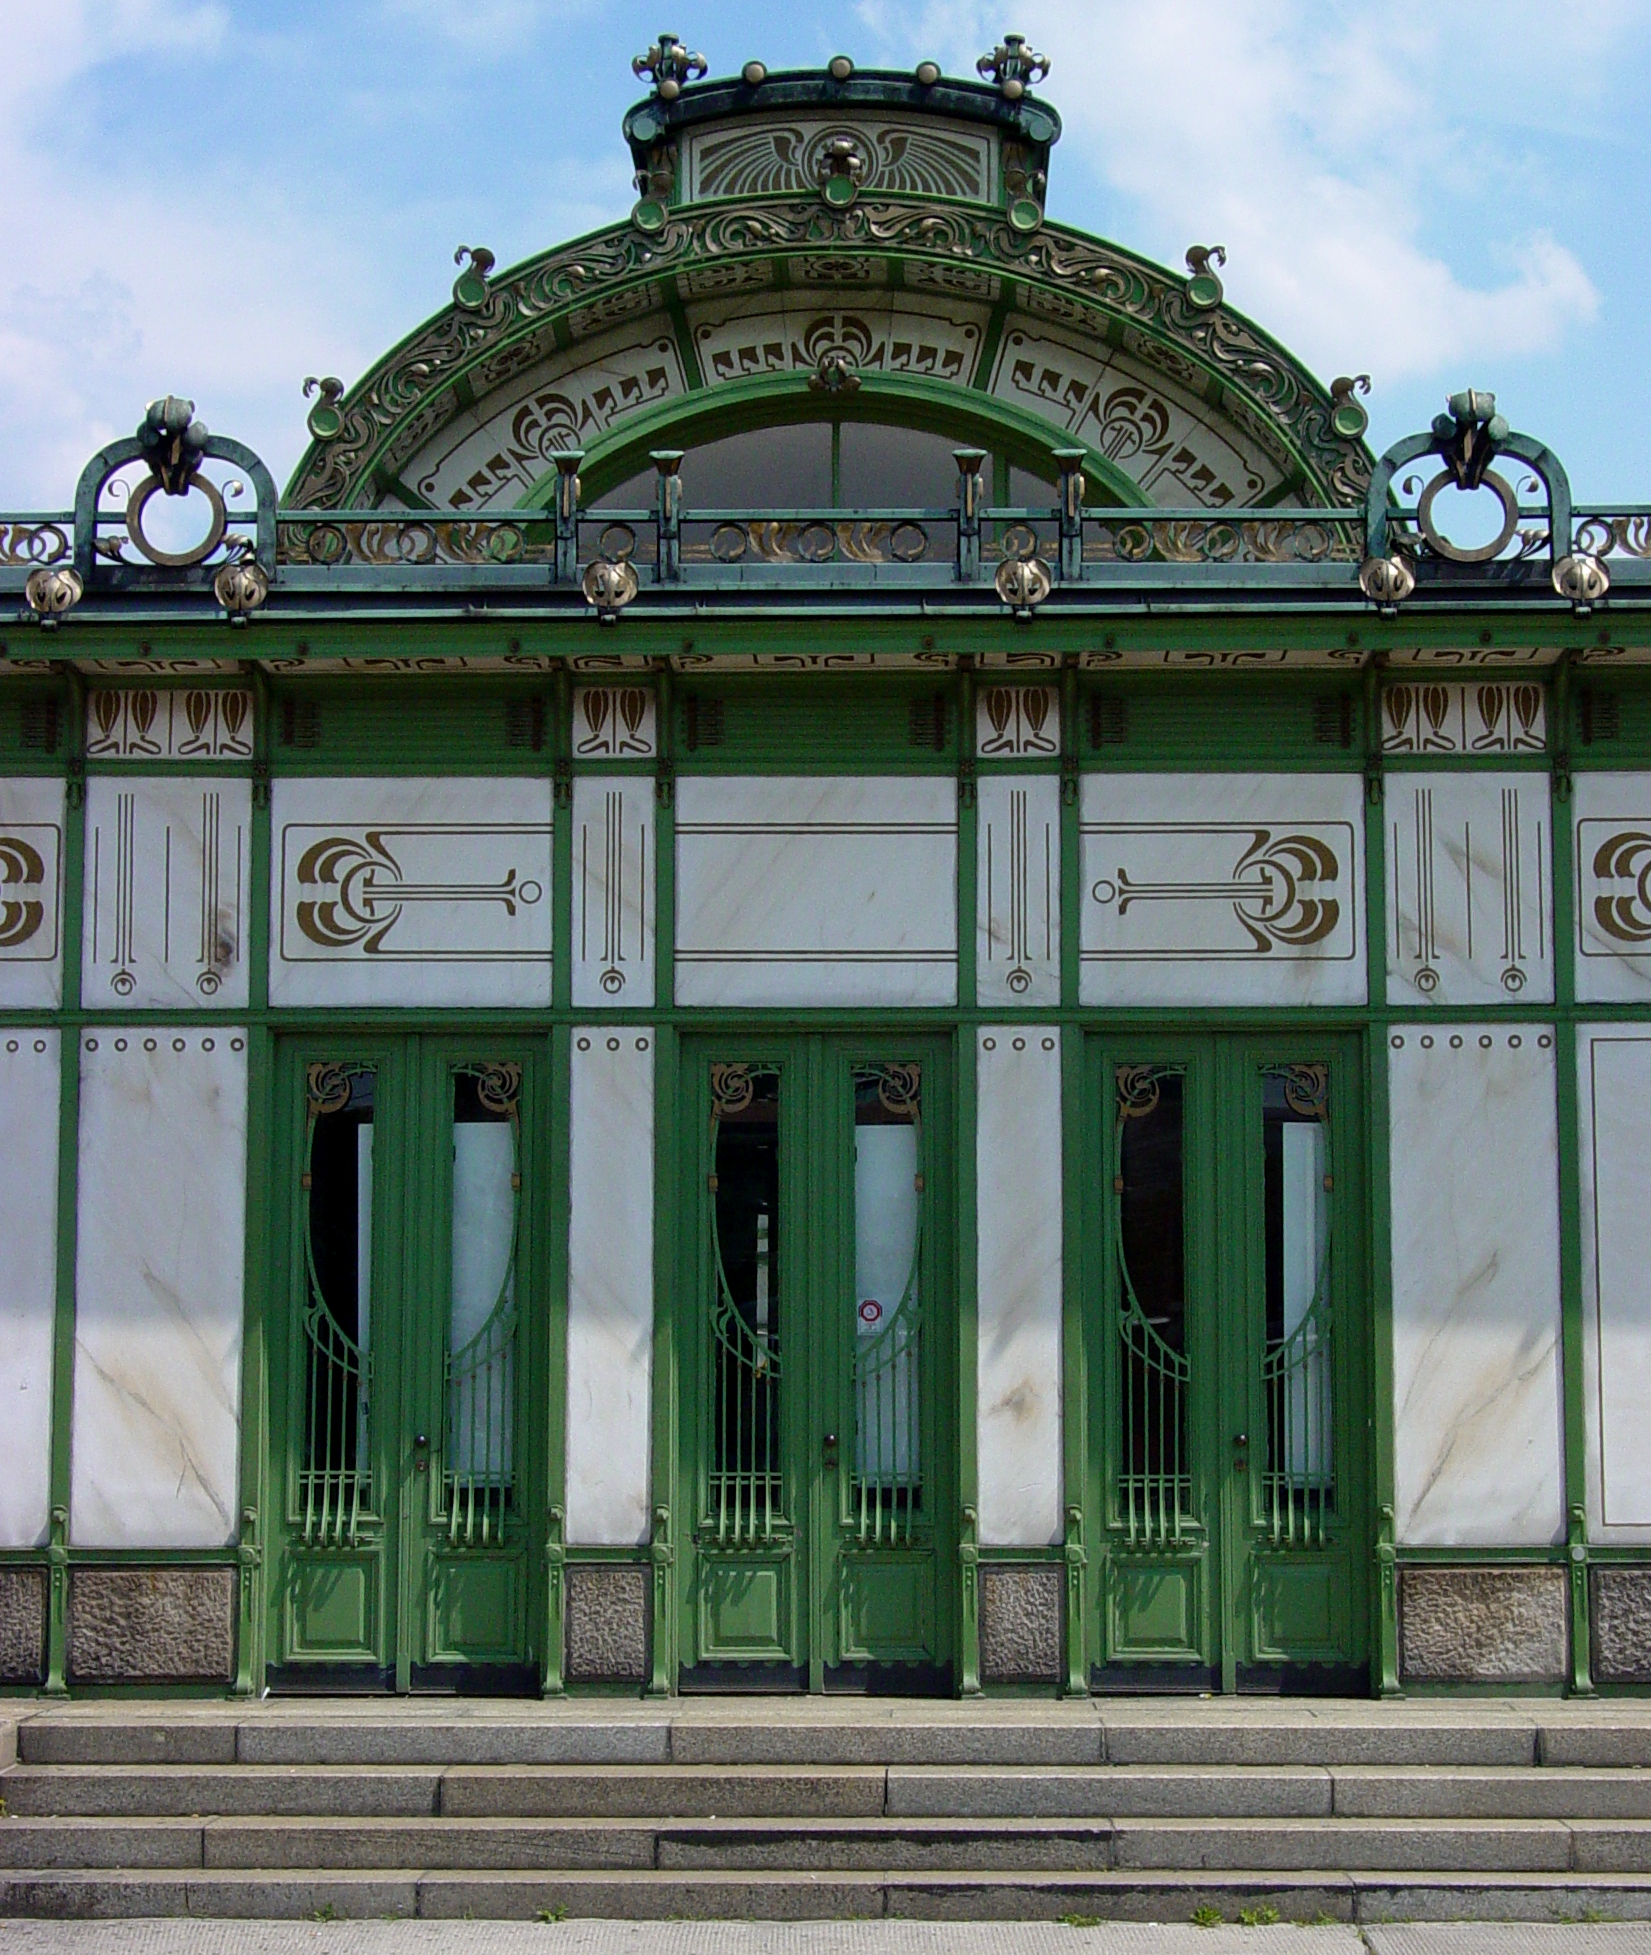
{"points": [[701, 722], [524, 724], [1597, 715], [1108, 719], [926, 722], [300, 722], [1333, 719], [37, 725]]}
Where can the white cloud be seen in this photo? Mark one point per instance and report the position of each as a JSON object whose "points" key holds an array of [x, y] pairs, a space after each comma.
{"points": [[1314, 140]]}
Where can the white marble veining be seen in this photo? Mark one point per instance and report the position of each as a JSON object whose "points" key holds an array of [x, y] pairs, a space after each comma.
{"points": [[1614, 1095], [816, 891], [613, 890], [1018, 890], [410, 892], [158, 1286], [29, 1091], [1469, 889], [1018, 1221], [610, 1286], [1222, 889], [167, 888], [1611, 827], [31, 894], [1476, 1341]]}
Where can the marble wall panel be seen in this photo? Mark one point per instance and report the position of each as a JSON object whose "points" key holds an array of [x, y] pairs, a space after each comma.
{"points": [[31, 894], [613, 890], [1018, 894], [1469, 889], [168, 871], [1222, 889], [1614, 1092], [1611, 816], [1475, 1244], [410, 892], [816, 891], [610, 1287], [29, 1082], [1019, 1224], [158, 1284]]}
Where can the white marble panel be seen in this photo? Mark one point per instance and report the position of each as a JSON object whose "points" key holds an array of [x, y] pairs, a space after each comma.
{"points": [[31, 894], [1018, 1222], [29, 1082], [1018, 890], [158, 1285], [614, 723], [1015, 722], [410, 892], [1222, 889], [1614, 1092], [167, 886], [816, 891], [1469, 889], [1478, 1443], [610, 1287], [613, 890], [1611, 814]]}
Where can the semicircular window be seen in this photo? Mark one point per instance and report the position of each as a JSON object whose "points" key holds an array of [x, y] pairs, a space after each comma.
{"points": [[828, 464]]}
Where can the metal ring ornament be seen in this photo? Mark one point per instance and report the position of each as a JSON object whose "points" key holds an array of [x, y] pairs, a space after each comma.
{"points": [[1503, 492], [51, 592], [1022, 583], [177, 559]]}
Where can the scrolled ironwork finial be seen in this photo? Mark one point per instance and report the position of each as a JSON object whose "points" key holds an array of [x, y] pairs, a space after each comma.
{"points": [[172, 442], [470, 287], [1346, 416], [668, 64], [1203, 288], [1014, 66], [325, 420]]}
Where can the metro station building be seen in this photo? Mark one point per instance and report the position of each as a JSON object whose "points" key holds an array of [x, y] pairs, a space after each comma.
{"points": [[845, 960]]}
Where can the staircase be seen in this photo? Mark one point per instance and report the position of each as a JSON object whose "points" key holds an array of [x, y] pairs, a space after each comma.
{"points": [[796, 1808]]}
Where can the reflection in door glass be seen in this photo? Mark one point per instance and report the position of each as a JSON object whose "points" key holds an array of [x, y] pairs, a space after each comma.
{"points": [[1299, 1487], [746, 1489], [1154, 1484], [481, 1331], [888, 1329], [335, 1481]]}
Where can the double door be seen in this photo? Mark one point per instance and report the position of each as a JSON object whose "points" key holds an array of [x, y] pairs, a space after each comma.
{"points": [[816, 1344], [405, 1362], [1229, 1426]]}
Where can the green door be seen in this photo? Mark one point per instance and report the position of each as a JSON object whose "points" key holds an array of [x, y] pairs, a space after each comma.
{"points": [[816, 1330], [404, 1355], [1227, 1333]]}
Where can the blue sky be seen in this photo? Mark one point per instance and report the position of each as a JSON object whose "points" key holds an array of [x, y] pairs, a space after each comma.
{"points": [[217, 198]]}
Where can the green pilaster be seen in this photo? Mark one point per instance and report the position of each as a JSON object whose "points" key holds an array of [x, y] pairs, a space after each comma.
{"points": [[1568, 1113], [1379, 1214], [68, 1185], [552, 1253]]}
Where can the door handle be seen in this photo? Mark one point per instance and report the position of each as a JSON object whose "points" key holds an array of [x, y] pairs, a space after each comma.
{"points": [[1241, 1451], [421, 1446], [828, 1449]]}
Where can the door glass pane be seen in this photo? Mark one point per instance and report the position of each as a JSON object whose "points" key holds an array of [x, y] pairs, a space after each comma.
{"points": [[887, 1485], [1148, 1187], [1299, 1486], [335, 1480], [746, 1495], [481, 1331]]}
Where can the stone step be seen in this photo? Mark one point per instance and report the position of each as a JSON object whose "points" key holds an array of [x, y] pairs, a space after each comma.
{"points": [[1140, 1895], [802, 1733], [954, 1793]]}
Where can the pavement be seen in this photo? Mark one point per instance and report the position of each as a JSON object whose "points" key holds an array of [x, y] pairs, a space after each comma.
{"points": [[184, 1937]]}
